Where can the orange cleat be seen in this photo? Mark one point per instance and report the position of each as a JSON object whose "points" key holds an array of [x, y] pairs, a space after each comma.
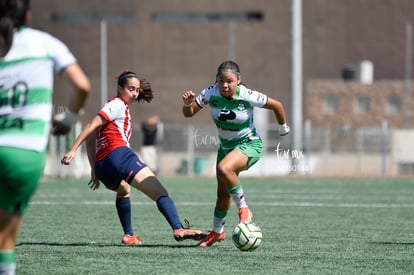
{"points": [[212, 237], [188, 234], [245, 215], [131, 239]]}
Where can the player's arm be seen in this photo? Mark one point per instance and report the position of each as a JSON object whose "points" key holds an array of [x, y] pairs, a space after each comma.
{"points": [[89, 129], [63, 122], [91, 148], [91, 153], [81, 85], [190, 107], [279, 111]]}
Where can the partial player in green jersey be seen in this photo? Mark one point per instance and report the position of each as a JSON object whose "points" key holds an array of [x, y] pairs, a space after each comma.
{"points": [[28, 60], [231, 108]]}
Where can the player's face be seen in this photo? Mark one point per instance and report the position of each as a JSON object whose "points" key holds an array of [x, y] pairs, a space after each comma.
{"points": [[227, 83], [130, 91]]}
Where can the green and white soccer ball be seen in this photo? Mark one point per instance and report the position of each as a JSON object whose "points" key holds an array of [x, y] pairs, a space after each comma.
{"points": [[247, 236]]}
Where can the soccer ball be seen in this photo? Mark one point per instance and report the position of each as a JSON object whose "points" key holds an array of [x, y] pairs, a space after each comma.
{"points": [[247, 236]]}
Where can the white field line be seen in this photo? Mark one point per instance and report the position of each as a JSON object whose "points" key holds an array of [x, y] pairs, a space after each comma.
{"points": [[290, 198], [275, 204]]}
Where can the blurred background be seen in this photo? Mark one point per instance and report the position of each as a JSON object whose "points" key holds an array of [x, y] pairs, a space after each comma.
{"points": [[342, 69]]}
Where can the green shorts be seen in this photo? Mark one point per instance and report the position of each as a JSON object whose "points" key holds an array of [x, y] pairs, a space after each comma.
{"points": [[251, 148], [20, 172]]}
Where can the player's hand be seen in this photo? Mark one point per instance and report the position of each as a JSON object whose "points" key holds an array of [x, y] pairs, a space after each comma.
{"points": [[67, 158], [188, 97], [94, 182], [284, 129], [59, 130], [62, 123]]}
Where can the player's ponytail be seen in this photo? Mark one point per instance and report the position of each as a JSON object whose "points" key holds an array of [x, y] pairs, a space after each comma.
{"points": [[6, 35], [145, 93], [12, 16]]}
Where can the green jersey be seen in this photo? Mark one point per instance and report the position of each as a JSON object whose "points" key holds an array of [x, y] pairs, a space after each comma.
{"points": [[26, 82], [233, 117]]}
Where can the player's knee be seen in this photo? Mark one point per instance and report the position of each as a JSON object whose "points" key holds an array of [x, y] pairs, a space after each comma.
{"points": [[224, 170], [151, 186], [124, 190]]}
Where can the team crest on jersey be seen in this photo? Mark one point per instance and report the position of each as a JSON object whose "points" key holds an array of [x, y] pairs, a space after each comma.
{"points": [[213, 103], [241, 106]]}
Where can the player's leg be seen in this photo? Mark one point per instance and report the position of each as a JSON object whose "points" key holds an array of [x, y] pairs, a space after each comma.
{"points": [[228, 168], [227, 187], [20, 171], [252, 151], [219, 217], [228, 178], [146, 182], [9, 228], [222, 206], [123, 208], [109, 172], [229, 165]]}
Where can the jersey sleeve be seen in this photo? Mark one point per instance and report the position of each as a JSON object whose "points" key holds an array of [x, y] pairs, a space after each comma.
{"points": [[255, 98], [112, 110], [203, 98], [60, 53]]}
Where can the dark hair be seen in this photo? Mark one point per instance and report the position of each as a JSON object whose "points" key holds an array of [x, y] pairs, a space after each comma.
{"points": [[145, 90], [12, 16], [228, 65]]}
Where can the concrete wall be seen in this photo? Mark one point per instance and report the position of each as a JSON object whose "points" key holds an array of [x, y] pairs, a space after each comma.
{"points": [[184, 55]]}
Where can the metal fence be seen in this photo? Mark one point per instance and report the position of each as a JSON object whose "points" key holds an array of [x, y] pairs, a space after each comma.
{"points": [[343, 151]]}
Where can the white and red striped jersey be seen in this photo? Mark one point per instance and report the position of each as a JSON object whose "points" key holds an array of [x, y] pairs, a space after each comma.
{"points": [[117, 131]]}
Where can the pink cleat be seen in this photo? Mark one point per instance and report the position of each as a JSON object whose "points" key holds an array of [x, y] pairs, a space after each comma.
{"points": [[212, 237]]}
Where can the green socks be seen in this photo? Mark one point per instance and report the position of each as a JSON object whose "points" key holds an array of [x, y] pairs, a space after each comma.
{"points": [[7, 262]]}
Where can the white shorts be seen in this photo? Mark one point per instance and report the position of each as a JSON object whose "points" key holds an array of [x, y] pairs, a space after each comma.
{"points": [[149, 157]]}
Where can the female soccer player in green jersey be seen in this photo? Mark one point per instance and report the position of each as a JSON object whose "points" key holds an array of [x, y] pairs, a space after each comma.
{"points": [[28, 60], [231, 108]]}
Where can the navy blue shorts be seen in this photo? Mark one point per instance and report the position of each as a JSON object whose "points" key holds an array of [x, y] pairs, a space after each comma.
{"points": [[121, 164]]}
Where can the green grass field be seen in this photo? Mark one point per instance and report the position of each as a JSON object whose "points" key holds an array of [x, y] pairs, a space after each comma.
{"points": [[310, 226]]}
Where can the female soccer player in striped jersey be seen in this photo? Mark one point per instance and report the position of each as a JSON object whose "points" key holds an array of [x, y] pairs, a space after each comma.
{"points": [[28, 60], [118, 167], [231, 108]]}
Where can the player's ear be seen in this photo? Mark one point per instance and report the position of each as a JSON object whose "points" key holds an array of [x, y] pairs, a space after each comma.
{"points": [[28, 17], [238, 80]]}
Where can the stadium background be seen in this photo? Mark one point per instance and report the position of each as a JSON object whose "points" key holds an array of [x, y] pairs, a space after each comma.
{"points": [[177, 45]]}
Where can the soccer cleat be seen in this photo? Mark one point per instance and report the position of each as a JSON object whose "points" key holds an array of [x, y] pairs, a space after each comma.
{"points": [[188, 234], [131, 239], [212, 237], [245, 215]]}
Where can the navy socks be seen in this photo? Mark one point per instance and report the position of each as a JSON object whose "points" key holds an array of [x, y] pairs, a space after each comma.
{"points": [[123, 207], [166, 206]]}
